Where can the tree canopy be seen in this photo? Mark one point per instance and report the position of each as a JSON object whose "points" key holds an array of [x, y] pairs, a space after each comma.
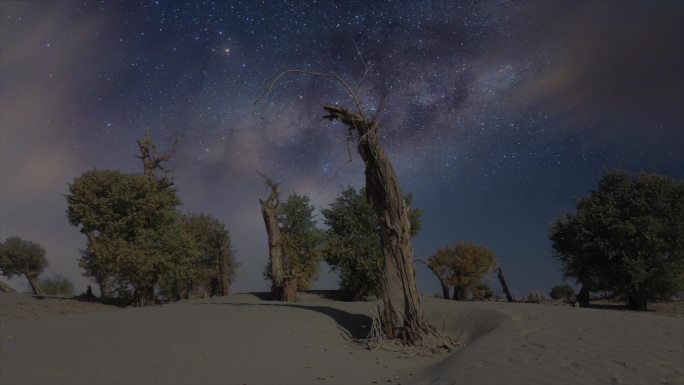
{"points": [[627, 237], [462, 267], [352, 242], [133, 231], [22, 257], [302, 238], [215, 266]]}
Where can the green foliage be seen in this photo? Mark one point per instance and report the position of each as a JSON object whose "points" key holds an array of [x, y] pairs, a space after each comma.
{"points": [[301, 239], [133, 231], [352, 242], [57, 285], [21, 257], [213, 240], [463, 266], [566, 292], [626, 237]]}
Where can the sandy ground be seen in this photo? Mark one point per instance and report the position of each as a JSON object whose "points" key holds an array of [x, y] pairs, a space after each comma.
{"points": [[244, 340]]}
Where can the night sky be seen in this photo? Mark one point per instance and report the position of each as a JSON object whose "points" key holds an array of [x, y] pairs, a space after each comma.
{"points": [[498, 117]]}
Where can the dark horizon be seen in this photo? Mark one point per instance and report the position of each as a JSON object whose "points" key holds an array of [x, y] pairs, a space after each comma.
{"points": [[499, 116]]}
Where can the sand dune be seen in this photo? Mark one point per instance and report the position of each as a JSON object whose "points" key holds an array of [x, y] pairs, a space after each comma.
{"points": [[244, 340]]}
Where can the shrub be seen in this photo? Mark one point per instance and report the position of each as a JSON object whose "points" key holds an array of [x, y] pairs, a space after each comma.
{"points": [[564, 292], [57, 285]]}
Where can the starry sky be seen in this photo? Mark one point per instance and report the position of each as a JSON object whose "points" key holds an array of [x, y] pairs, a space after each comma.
{"points": [[498, 115]]}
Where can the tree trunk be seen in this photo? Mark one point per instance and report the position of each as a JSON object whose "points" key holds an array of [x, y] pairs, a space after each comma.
{"points": [[402, 313], [459, 293], [504, 285], [224, 283], [143, 296], [445, 289], [269, 209], [442, 280], [105, 287], [637, 302], [35, 283], [583, 296], [290, 289]]}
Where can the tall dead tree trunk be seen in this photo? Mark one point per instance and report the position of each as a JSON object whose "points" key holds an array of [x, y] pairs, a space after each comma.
{"points": [[402, 313], [35, 283], [504, 285], [282, 287]]}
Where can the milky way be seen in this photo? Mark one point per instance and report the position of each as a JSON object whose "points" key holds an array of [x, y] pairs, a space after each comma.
{"points": [[497, 115]]}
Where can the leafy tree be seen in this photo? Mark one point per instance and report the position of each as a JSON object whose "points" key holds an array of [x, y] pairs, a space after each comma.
{"points": [[22, 257], [134, 236], [57, 285], [627, 237], [301, 238], [216, 265], [565, 292], [352, 242], [462, 266]]}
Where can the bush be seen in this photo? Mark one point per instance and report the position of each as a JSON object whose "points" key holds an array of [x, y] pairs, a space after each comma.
{"points": [[483, 292], [57, 285], [565, 292]]}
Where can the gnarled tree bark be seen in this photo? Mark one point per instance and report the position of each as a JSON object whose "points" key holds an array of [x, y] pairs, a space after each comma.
{"points": [[402, 313], [283, 288], [35, 283]]}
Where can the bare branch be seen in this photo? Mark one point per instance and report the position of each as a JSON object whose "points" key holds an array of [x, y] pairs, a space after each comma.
{"points": [[342, 82]]}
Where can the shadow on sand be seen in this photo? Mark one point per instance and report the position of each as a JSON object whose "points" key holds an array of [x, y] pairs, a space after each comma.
{"points": [[355, 326]]}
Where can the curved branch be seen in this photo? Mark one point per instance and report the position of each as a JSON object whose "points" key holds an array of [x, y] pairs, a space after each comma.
{"points": [[345, 85]]}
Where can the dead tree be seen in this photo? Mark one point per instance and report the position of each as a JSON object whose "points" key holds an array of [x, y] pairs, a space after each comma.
{"points": [[402, 315], [153, 161], [283, 286], [504, 285]]}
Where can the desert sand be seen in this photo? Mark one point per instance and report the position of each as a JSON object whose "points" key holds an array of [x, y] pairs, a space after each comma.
{"points": [[243, 339]]}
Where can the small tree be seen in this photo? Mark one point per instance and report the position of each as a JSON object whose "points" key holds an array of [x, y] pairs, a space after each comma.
{"points": [[302, 238], [57, 285], [463, 267], [216, 265], [22, 257], [352, 242], [565, 292], [627, 237]]}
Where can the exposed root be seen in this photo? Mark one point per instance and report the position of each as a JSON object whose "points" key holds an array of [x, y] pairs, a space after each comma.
{"points": [[428, 343]]}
